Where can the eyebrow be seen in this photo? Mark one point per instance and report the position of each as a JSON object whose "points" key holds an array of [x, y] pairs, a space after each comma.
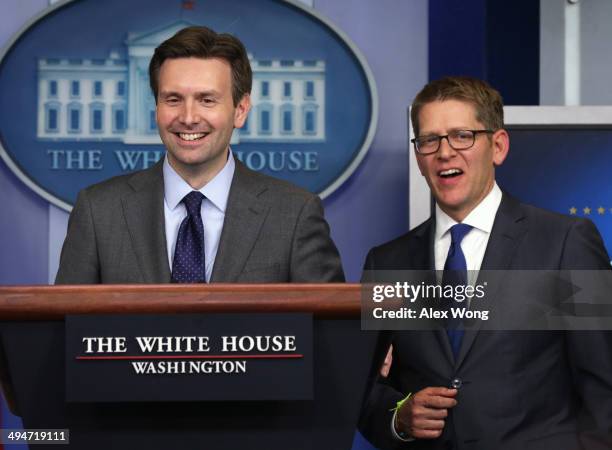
{"points": [[209, 93], [163, 94], [199, 94], [461, 128]]}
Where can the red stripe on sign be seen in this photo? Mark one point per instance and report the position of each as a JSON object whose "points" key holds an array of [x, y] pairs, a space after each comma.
{"points": [[123, 357]]}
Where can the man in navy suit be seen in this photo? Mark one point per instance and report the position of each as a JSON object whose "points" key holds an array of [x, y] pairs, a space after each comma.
{"points": [[480, 389]]}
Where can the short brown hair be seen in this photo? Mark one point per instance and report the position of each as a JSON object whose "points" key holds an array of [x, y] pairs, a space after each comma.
{"points": [[486, 100], [202, 42]]}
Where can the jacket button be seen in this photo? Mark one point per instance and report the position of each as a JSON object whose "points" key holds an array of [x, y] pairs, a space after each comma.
{"points": [[456, 383]]}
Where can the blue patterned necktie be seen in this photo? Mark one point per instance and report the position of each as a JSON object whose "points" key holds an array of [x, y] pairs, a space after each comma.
{"points": [[188, 264], [455, 274]]}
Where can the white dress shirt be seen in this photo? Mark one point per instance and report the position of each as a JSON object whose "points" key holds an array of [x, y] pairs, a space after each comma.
{"points": [[473, 245], [216, 193]]}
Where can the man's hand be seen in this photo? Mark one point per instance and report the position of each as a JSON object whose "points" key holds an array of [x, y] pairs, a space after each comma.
{"points": [[423, 415]]}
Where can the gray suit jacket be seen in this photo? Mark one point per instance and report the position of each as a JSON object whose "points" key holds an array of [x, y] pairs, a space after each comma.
{"points": [[544, 390], [273, 232]]}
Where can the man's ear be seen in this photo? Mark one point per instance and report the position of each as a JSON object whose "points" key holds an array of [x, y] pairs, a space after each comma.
{"points": [[500, 141], [242, 110]]}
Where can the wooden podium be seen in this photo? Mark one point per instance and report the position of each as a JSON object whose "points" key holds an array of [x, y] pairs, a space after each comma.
{"points": [[32, 368]]}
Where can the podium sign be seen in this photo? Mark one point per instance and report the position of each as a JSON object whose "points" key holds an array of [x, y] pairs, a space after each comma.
{"points": [[189, 357]]}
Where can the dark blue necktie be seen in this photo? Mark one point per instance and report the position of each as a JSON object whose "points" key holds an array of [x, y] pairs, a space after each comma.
{"points": [[188, 264], [455, 274]]}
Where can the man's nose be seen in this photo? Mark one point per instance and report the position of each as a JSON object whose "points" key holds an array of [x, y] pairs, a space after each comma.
{"points": [[189, 113], [445, 151]]}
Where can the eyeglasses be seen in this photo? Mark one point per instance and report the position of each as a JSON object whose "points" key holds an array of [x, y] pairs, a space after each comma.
{"points": [[457, 139]]}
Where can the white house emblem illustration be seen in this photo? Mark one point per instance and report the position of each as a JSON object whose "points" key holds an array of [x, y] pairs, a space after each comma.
{"points": [[86, 99]]}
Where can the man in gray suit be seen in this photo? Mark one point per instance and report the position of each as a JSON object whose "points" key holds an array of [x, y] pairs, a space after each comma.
{"points": [[199, 215]]}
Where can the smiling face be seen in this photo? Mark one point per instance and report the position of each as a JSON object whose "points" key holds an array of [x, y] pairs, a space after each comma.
{"points": [[459, 180], [196, 115]]}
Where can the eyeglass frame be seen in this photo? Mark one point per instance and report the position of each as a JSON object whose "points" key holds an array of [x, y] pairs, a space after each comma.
{"points": [[439, 138]]}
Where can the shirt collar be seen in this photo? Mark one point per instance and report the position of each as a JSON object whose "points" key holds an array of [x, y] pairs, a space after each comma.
{"points": [[216, 190], [481, 217]]}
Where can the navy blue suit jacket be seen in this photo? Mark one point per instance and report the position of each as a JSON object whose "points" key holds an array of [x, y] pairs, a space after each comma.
{"points": [[521, 389]]}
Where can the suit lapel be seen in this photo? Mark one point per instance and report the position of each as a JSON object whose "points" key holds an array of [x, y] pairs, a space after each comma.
{"points": [[508, 230], [425, 246], [244, 217], [143, 209], [417, 253]]}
